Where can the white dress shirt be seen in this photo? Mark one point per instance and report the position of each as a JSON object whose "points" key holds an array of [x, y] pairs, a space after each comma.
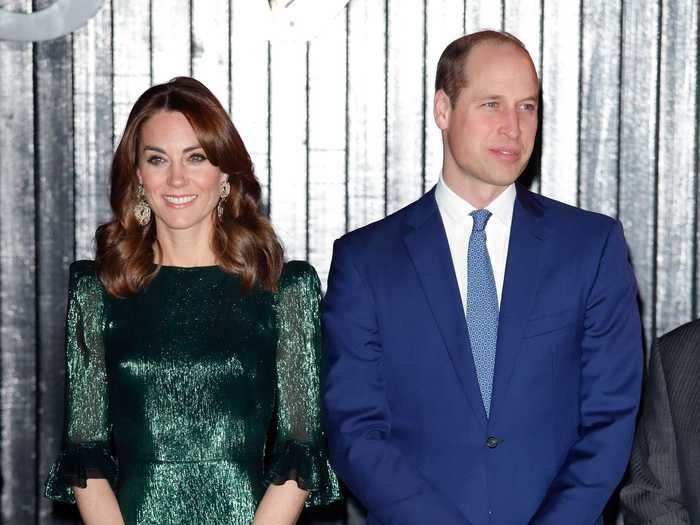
{"points": [[455, 211]]}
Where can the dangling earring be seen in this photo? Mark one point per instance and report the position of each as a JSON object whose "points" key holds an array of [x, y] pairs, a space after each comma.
{"points": [[142, 211], [225, 190]]}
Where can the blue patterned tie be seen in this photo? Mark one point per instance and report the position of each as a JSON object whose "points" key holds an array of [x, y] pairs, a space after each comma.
{"points": [[482, 306]]}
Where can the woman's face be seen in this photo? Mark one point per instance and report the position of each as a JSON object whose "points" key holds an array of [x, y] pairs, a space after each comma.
{"points": [[180, 184]]}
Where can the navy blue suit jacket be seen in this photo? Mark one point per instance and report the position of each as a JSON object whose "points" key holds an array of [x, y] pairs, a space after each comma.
{"points": [[406, 425]]}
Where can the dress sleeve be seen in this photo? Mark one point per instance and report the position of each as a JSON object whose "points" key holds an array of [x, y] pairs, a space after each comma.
{"points": [[299, 452], [86, 451]]}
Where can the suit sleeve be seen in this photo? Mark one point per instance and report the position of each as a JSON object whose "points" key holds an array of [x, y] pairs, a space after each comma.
{"points": [[652, 495], [611, 373], [358, 419]]}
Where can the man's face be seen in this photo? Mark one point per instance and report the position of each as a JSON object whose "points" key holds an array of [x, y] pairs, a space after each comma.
{"points": [[490, 132]]}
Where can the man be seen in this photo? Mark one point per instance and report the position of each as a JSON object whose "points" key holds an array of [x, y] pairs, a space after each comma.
{"points": [[664, 483], [482, 345]]}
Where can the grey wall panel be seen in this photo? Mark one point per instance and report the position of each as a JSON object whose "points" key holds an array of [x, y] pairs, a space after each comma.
{"points": [[170, 39], [288, 147], [600, 105], [443, 24], [638, 129], [676, 164], [560, 87], [341, 132], [250, 88], [55, 240], [92, 124], [366, 111], [483, 15], [17, 282], [210, 49], [405, 102], [131, 56], [327, 142]]}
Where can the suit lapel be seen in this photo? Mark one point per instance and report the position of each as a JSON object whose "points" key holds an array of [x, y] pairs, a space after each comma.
{"points": [[427, 246], [519, 291]]}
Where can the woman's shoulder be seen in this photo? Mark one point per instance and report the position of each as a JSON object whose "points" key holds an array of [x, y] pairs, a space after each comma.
{"points": [[298, 275], [83, 277]]}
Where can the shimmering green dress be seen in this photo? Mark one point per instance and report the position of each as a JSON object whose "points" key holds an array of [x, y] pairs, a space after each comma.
{"points": [[191, 396]]}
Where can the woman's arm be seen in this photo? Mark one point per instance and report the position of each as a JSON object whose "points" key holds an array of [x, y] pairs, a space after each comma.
{"points": [[98, 504], [281, 505]]}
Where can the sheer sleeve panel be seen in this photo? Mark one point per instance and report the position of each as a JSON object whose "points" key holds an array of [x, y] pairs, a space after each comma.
{"points": [[86, 451], [299, 451]]}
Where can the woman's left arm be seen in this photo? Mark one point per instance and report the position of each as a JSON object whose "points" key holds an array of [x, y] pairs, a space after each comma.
{"points": [[281, 505], [298, 470]]}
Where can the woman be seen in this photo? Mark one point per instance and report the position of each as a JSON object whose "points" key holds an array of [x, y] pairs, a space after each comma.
{"points": [[191, 348]]}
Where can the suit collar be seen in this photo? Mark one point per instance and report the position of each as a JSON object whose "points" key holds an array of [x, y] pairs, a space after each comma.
{"points": [[521, 283], [427, 245]]}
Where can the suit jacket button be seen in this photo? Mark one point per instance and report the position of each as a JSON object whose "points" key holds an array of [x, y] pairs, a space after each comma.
{"points": [[492, 442]]}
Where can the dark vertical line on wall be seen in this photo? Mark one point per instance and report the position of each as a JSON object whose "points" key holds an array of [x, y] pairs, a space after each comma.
{"points": [[192, 46], [308, 152], [657, 135], [230, 57], [268, 160], [347, 117], [150, 40], [696, 164], [541, 39], [503, 15], [75, 160], [620, 77], [37, 281], [464, 17], [580, 102], [111, 66], [386, 106], [540, 127], [423, 138]]}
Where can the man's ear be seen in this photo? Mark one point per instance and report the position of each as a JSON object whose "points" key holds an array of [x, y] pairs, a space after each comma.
{"points": [[441, 109]]}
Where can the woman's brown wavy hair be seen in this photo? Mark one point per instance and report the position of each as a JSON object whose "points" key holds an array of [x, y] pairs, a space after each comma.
{"points": [[243, 240]]}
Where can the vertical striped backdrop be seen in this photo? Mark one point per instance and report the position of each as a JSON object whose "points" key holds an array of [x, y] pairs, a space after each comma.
{"points": [[341, 132]]}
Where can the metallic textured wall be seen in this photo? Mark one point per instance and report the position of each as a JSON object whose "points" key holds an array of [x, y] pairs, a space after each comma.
{"points": [[341, 132]]}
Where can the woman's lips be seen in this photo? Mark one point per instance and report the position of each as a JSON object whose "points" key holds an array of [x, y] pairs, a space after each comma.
{"points": [[179, 201]]}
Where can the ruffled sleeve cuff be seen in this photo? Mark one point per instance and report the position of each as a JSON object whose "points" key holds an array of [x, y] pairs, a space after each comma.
{"points": [[75, 466], [309, 467]]}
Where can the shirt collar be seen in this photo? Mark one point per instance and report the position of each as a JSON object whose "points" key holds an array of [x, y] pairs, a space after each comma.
{"points": [[457, 209]]}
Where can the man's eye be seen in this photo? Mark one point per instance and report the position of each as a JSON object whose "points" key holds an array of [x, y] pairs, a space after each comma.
{"points": [[529, 107], [491, 104]]}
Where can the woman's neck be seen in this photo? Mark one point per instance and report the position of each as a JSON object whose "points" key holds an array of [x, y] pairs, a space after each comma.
{"points": [[186, 248]]}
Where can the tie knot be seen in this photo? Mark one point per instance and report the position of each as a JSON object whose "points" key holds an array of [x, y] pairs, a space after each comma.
{"points": [[481, 217]]}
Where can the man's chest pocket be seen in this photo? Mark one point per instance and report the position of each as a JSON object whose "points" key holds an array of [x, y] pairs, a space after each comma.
{"points": [[551, 322]]}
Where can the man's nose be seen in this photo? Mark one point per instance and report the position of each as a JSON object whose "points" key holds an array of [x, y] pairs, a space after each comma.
{"points": [[510, 126]]}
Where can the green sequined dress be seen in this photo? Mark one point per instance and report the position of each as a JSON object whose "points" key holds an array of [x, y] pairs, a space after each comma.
{"points": [[192, 396]]}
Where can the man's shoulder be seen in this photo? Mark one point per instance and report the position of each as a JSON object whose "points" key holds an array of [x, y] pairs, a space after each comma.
{"points": [[684, 339], [568, 223], [382, 231], [561, 211]]}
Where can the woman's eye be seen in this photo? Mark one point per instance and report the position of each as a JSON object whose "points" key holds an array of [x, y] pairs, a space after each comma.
{"points": [[155, 160], [198, 157]]}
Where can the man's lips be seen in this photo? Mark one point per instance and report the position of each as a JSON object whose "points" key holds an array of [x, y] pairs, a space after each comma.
{"points": [[505, 154]]}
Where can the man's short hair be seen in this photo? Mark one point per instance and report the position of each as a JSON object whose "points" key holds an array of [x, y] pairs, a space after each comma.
{"points": [[450, 75]]}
